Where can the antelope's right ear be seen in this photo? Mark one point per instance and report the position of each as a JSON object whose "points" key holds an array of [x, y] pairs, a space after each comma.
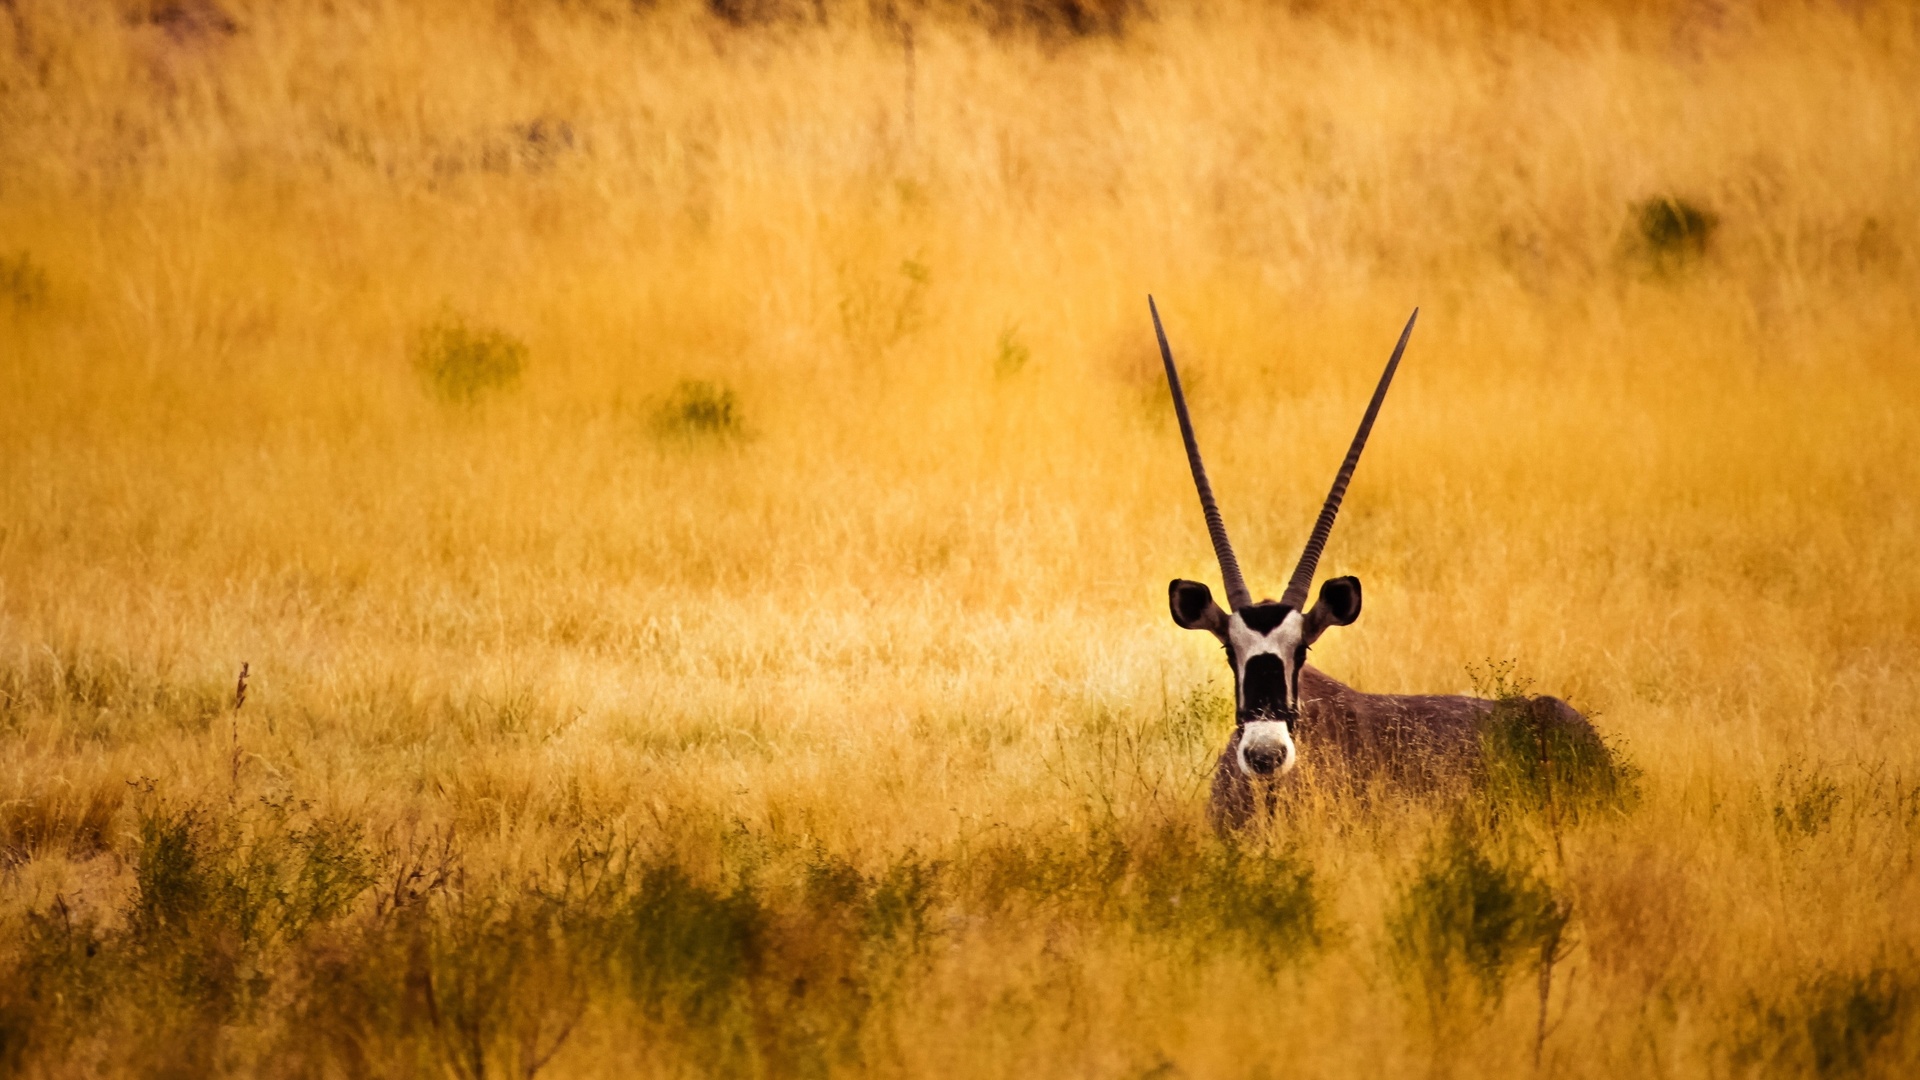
{"points": [[1193, 607], [1339, 605]]}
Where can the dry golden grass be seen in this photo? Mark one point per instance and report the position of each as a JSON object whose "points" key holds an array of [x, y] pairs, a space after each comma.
{"points": [[773, 676]]}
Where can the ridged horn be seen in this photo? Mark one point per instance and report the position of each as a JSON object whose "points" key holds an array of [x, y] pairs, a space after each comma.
{"points": [[1237, 595], [1296, 594]]}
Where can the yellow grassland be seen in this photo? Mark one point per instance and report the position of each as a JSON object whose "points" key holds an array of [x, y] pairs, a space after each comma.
{"points": [[910, 604]]}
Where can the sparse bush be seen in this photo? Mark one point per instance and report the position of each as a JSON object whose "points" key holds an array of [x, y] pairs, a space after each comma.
{"points": [[1535, 759], [898, 904], [1470, 915], [700, 409], [463, 363], [256, 875], [1851, 1016], [193, 946], [1221, 895], [1669, 233], [725, 977], [740, 977], [469, 982], [1011, 354], [1174, 885], [57, 977], [23, 283], [508, 984], [689, 947], [1202, 715], [1805, 803], [880, 308], [1833, 1024]]}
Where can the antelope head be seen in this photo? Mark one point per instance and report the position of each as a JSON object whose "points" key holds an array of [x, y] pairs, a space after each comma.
{"points": [[1267, 642]]}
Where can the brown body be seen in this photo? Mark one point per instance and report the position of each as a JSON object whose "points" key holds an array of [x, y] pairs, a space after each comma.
{"points": [[1412, 741]]}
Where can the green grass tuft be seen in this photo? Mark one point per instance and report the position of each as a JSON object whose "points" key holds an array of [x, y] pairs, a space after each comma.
{"points": [[464, 364]]}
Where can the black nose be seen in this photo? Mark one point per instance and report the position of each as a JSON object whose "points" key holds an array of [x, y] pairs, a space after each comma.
{"points": [[1265, 758]]}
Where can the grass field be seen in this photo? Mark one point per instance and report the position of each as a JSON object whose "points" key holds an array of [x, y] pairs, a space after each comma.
{"points": [[694, 490]]}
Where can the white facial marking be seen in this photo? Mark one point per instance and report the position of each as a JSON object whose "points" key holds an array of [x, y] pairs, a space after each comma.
{"points": [[1283, 641]]}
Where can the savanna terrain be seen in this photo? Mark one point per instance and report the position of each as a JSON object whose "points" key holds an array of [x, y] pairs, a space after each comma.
{"points": [[693, 491]]}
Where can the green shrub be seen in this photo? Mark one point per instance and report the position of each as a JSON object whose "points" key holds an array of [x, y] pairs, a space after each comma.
{"points": [[1669, 233], [463, 364], [256, 876], [214, 900], [458, 979], [399, 964], [741, 978], [690, 946], [1470, 918], [57, 982], [1850, 1016], [700, 409], [1535, 759], [1806, 803], [22, 282], [1224, 895], [898, 904], [1832, 1024], [1011, 354], [1175, 885]]}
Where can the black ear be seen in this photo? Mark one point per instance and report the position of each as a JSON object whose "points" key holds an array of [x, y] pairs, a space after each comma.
{"points": [[1193, 607], [1339, 604]]}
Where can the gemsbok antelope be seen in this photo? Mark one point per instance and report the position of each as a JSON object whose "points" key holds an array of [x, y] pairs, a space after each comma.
{"points": [[1281, 705]]}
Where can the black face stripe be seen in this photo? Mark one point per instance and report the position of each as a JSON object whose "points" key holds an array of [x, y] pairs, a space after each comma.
{"points": [[1261, 618], [1264, 691], [1299, 665]]}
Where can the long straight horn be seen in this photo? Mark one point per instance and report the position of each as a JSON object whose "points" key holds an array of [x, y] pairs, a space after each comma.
{"points": [[1237, 595], [1296, 595]]}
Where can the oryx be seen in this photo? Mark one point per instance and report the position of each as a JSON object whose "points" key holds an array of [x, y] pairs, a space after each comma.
{"points": [[1280, 704]]}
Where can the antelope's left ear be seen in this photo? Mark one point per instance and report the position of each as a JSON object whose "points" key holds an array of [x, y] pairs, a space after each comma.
{"points": [[1193, 608], [1339, 604]]}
